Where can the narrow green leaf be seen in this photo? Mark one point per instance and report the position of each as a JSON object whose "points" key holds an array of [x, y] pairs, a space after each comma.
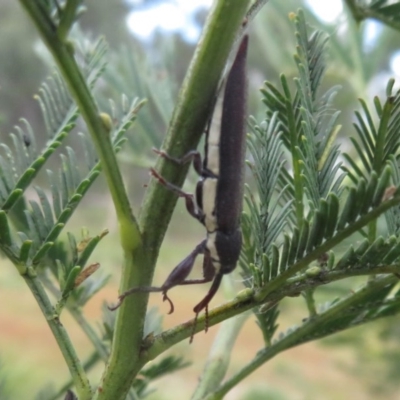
{"points": [[347, 259], [65, 215], [12, 199], [369, 257], [381, 186], [274, 261], [369, 193], [73, 246], [38, 220], [378, 106], [362, 247], [55, 193], [332, 218], [46, 208], [70, 282], [68, 176], [371, 125], [73, 165], [393, 255], [284, 254], [63, 188], [305, 229], [331, 260], [364, 134], [89, 248], [24, 251], [316, 231], [266, 268], [55, 232], [3, 190], [5, 234], [26, 178], [294, 243], [346, 215], [42, 252]]}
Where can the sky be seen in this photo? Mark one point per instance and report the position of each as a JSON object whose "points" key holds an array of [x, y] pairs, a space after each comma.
{"points": [[179, 16]]}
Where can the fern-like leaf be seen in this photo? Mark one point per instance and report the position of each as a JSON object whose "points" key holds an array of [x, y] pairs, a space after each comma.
{"points": [[377, 143]]}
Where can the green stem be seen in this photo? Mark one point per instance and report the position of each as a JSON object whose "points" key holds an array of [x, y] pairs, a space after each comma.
{"points": [[63, 56], [192, 111], [310, 301], [68, 16], [76, 369], [129, 230], [248, 300], [91, 361], [312, 329]]}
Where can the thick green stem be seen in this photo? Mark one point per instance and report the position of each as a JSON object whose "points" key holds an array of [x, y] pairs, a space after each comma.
{"points": [[191, 114]]}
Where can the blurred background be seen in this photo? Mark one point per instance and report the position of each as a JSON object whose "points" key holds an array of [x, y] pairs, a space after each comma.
{"points": [[150, 46]]}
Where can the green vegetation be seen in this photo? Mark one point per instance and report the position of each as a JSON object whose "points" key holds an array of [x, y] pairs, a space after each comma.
{"points": [[321, 220]]}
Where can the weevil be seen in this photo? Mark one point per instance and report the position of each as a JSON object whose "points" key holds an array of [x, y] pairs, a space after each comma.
{"points": [[219, 194]]}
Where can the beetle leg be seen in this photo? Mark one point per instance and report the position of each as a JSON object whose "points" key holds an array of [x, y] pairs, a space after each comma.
{"points": [[190, 204], [175, 278], [193, 155]]}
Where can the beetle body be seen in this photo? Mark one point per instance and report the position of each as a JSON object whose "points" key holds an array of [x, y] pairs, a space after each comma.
{"points": [[219, 193]]}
